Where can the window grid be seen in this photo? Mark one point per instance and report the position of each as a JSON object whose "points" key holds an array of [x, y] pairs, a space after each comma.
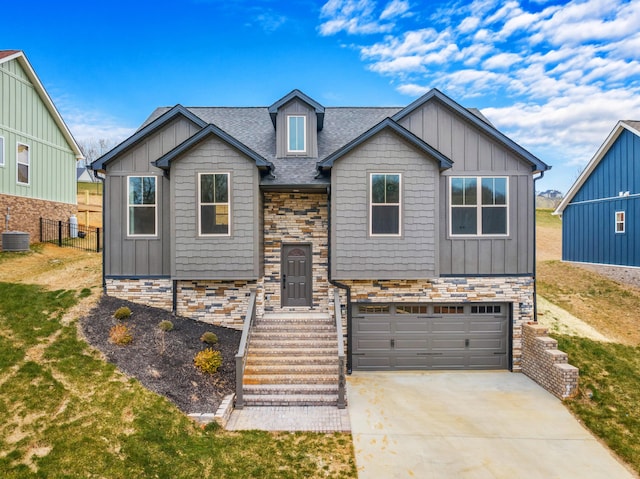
{"points": [[385, 204], [446, 309], [620, 222], [480, 211], [23, 163], [142, 206], [213, 204], [486, 309]]}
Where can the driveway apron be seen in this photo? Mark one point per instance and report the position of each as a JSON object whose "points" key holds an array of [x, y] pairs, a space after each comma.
{"points": [[469, 425]]}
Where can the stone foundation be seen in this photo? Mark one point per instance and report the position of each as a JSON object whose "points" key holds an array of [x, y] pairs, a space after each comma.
{"points": [[545, 364], [26, 213], [515, 290], [156, 292], [223, 303]]}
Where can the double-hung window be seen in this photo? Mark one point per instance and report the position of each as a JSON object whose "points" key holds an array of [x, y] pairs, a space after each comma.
{"points": [[620, 222], [296, 134], [142, 211], [213, 207], [385, 205], [479, 206], [23, 160]]}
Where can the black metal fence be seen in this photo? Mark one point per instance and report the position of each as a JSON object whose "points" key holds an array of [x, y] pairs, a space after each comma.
{"points": [[71, 235]]}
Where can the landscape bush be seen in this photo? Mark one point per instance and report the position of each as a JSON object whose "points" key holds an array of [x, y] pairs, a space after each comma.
{"points": [[120, 334], [122, 313], [208, 360]]}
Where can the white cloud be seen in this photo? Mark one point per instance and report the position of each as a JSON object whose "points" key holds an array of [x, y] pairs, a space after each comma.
{"points": [[501, 61], [468, 24], [353, 17], [394, 9]]}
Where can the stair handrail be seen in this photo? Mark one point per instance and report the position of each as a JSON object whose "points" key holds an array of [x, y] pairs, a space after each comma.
{"points": [[342, 380], [241, 356]]}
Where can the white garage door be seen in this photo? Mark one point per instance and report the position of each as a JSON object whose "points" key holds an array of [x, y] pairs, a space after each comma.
{"points": [[430, 336]]}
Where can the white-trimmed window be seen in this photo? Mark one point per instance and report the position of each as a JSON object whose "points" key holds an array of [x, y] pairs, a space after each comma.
{"points": [[142, 210], [296, 134], [620, 222], [213, 204], [23, 161], [385, 204], [1, 151], [479, 206]]}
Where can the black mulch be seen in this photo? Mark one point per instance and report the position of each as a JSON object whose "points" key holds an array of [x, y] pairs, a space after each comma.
{"points": [[166, 368]]}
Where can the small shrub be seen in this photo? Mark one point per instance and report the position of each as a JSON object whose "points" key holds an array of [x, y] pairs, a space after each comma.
{"points": [[209, 338], [165, 325], [84, 293], [208, 360], [122, 313], [120, 334]]}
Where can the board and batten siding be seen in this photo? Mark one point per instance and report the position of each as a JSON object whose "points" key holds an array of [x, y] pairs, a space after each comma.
{"points": [[475, 154], [358, 255], [588, 221], [232, 257], [24, 118], [141, 256], [296, 107]]}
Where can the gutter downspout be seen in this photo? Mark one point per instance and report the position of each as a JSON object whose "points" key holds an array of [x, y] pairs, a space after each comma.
{"points": [[535, 249], [104, 187], [337, 284]]}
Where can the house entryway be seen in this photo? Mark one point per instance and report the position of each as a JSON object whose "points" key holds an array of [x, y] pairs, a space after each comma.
{"points": [[296, 280]]}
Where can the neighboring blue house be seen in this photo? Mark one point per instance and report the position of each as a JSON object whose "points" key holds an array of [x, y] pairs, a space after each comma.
{"points": [[601, 210]]}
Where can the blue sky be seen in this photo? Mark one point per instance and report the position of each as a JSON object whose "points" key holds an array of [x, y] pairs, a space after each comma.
{"points": [[554, 76]]}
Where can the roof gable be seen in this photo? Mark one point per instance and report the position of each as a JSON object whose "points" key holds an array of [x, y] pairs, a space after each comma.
{"points": [[478, 121], [144, 132], [164, 161], [631, 126], [20, 57], [317, 107], [384, 124]]}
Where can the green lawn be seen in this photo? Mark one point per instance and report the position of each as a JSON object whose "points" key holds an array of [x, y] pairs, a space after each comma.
{"points": [[67, 413], [609, 400], [545, 218]]}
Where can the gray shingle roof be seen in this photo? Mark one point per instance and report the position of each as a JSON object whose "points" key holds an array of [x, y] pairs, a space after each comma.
{"points": [[252, 126]]}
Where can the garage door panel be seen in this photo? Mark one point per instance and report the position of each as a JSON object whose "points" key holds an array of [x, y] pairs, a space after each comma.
{"points": [[377, 326], [465, 339]]}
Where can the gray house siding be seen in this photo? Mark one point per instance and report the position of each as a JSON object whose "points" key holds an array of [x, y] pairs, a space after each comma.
{"points": [[232, 257], [297, 107], [475, 154], [358, 255], [140, 257]]}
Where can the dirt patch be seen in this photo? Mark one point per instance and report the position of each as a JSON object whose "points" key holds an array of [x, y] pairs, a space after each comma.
{"points": [[560, 321], [166, 365], [548, 243]]}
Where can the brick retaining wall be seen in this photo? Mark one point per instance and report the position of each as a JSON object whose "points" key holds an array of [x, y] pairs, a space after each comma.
{"points": [[545, 364]]}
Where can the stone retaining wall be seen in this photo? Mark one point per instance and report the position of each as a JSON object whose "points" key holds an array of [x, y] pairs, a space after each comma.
{"points": [[156, 292], [545, 364], [26, 213]]}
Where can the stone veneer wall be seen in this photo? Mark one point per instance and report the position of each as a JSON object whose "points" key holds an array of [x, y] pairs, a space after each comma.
{"points": [[223, 303], [156, 292], [26, 212], [295, 218], [515, 290], [546, 365]]}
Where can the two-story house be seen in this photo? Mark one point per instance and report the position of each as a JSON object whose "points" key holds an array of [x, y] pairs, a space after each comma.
{"points": [[422, 217]]}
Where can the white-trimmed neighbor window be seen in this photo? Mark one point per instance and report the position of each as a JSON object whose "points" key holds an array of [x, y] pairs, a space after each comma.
{"points": [[213, 204], [1, 151], [385, 204], [296, 134], [620, 221], [23, 160], [479, 206], [142, 210]]}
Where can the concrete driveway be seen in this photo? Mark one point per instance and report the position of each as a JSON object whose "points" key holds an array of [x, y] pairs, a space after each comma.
{"points": [[459, 425]]}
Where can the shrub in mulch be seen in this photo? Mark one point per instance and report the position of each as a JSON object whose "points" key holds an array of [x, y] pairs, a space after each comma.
{"points": [[164, 363]]}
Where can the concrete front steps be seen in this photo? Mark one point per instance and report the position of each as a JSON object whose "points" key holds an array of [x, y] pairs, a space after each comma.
{"points": [[292, 360]]}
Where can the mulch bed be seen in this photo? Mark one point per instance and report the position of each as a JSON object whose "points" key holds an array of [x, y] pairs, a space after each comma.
{"points": [[166, 368]]}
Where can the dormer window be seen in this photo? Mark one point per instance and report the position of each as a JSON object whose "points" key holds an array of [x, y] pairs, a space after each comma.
{"points": [[296, 134]]}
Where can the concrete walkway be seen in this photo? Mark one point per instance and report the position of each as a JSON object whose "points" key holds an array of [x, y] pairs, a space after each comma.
{"points": [[467, 425]]}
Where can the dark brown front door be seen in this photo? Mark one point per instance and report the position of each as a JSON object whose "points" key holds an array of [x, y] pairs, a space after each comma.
{"points": [[296, 275]]}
